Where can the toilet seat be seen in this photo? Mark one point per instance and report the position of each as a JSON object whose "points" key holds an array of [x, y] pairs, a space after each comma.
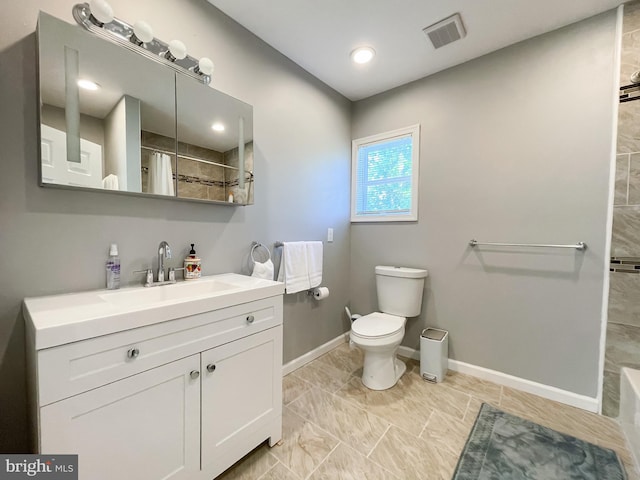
{"points": [[377, 325]]}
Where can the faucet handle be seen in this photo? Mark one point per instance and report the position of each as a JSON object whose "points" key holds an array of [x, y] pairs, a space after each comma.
{"points": [[149, 273], [172, 273]]}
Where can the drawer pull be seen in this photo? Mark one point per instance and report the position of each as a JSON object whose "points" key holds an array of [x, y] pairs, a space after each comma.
{"points": [[194, 374], [211, 368], [133, 353], [250, 319]]}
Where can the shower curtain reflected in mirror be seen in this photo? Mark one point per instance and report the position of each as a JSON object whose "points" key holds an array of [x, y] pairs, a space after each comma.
{"points": [[160, 174]]}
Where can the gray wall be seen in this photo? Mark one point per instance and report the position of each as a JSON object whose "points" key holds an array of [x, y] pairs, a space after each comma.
{"points": [[515, 147], [56, 241]]}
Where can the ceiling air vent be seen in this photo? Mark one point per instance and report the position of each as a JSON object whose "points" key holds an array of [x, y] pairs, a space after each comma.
{"points": [[445, 31]]}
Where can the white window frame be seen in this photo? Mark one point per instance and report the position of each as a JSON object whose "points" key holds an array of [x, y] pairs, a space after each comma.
{"points": [[412, 216]]}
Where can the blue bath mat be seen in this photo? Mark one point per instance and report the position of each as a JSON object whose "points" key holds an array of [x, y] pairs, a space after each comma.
{"points": [[505, 447]]}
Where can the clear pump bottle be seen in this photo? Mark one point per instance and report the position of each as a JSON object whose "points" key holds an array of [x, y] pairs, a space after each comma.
{"points": [[113, 268]]}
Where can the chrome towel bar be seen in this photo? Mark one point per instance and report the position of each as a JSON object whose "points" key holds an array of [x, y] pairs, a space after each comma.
{"points": [[578, 246]]}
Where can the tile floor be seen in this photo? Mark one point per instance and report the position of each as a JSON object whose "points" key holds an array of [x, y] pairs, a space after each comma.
{"points": [[335, 428]]}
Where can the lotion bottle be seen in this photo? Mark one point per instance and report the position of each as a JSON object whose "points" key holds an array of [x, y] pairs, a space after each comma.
{"points": [[192, 265]]}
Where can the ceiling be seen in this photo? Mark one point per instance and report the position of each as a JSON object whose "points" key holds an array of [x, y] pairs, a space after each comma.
{"points": [[319, 35]]}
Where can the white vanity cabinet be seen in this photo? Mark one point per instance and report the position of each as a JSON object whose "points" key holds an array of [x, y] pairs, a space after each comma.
{"points": [[178, 399], [144, 426], [240, 397]]}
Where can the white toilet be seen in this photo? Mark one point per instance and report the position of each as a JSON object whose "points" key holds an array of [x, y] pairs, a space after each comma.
{"points": [[379, 334]]}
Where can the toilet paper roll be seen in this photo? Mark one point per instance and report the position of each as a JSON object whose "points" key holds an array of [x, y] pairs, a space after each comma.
{"points": [[320, 293]]}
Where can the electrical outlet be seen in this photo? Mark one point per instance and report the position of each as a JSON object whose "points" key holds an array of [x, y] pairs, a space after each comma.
{"points": [[330, 235]]}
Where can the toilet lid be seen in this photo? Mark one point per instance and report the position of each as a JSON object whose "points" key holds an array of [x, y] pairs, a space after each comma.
{"points": [[377, 325]]}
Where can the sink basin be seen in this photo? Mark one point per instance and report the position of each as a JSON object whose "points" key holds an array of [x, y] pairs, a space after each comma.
{"points": [[168, 293], [59, 319]]}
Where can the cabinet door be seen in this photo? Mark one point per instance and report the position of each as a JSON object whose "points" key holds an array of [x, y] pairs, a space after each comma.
{"points": [[144, 427], [241, 397]]}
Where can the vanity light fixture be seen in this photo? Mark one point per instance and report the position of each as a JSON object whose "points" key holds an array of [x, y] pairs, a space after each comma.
{"points": [[101, 12], [88, 84], [142, 33], [363, 54], [97, 17], [218, 127], [205, 66], [177, 51]]}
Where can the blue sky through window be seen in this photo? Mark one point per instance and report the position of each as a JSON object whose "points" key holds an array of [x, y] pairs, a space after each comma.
{"points": [[384, 177]]}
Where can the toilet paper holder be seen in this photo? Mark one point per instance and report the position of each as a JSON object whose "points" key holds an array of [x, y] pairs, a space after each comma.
{"points": [[318, 293]]}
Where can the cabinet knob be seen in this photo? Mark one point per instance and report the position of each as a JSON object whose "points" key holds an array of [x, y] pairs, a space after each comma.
{"points": [[133, 353], [194, 374], [211, 368], [250, 319]]}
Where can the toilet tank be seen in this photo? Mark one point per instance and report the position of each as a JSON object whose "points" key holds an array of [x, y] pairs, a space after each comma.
{"points": [[400, 290]]}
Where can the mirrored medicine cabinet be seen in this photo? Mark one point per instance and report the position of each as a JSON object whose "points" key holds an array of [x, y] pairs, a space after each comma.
{"points": [[114, 120]]}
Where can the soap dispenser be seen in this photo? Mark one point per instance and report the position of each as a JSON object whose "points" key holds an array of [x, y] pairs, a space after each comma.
{"points": [[192, 265]]}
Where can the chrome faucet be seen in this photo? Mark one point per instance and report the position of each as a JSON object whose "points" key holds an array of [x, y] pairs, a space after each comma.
{"points": [[164, 251]]}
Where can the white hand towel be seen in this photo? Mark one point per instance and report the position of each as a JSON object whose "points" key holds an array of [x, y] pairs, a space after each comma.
{"points": [[263, 270], [294, 271], [110, 182], [314, 262]]}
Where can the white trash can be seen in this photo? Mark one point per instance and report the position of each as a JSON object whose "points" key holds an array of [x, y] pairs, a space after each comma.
{"points": [[434, 354]]}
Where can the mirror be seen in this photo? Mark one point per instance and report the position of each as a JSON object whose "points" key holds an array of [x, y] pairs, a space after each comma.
{"points": [[110, 117], [214, 134]]}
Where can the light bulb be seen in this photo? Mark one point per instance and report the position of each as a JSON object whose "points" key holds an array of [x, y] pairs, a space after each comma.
{"points": [[363, 54], [218, 127], [101, 10], [205, 66], [88, 84], [142, 31], [177, 50]]}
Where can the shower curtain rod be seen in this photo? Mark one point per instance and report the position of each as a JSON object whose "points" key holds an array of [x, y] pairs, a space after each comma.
{"points": [[188, 157]]}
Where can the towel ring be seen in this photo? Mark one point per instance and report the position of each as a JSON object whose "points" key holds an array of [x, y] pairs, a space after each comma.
{"points": [[260, 245]]}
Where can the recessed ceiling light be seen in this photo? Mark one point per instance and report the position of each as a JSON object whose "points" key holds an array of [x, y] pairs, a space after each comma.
{"points": [[88, 84], [218, 127], [363, 54]]}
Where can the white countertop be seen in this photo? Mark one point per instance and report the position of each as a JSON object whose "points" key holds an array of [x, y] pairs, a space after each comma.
{"points": [[59, 319]]}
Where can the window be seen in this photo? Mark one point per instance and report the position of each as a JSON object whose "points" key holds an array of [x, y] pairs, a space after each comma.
{"points": [[384, 176]]}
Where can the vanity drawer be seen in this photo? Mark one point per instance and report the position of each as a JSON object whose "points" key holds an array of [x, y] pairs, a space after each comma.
{"points": [[77, 367]]}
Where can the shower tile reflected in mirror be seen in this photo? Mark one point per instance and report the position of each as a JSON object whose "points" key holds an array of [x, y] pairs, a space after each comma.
{"points": [[232, 159], [200, 173]]}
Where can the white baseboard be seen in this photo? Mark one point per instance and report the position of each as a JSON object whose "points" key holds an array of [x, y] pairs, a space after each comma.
{"points": [[546, 391], [408, 352], [302, 360]]}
